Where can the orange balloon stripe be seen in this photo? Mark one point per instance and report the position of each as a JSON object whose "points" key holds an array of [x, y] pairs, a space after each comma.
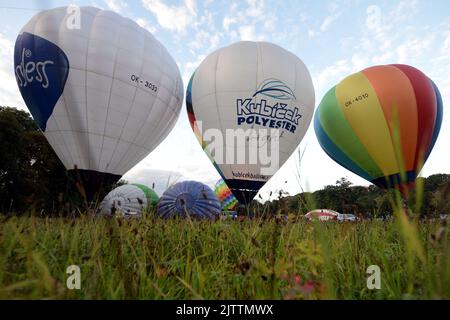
{"points": [[400, 110], [426, 111]]}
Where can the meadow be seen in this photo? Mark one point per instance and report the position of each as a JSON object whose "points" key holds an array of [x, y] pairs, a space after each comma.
{"points": [[151, 258]]}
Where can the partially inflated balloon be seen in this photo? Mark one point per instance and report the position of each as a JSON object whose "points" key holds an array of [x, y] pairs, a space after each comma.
{"points": [[226, 197], [250, 86], [189, 198], [103, 90], [128, 200], [381, 123]]}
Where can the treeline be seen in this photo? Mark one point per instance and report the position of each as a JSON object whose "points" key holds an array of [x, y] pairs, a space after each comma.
{"points": [[33, 179], [429, 198]]}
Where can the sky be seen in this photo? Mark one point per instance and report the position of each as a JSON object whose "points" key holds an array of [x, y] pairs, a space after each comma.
{"points": [[333, 39]]}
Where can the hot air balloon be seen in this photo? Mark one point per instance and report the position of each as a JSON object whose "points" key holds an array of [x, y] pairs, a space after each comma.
{"points": [[225, 196], [262, 94], [381, 123], [128, 200], [103, 90], [189, 198], [322, 215]]}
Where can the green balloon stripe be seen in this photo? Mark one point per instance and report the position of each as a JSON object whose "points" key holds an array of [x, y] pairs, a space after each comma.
{"points": [[339, 131], [152, 197]]}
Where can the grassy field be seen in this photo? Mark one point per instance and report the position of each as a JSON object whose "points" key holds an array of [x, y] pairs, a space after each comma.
{"points": [[251, 259]]}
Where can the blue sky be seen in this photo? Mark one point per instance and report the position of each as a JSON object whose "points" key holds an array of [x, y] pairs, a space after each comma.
{"points": [[333, 38]]}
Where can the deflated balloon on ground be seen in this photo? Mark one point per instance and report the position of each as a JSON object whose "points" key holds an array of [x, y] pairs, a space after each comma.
{"points": [[131, 200], [225, 196], [189, 198]]}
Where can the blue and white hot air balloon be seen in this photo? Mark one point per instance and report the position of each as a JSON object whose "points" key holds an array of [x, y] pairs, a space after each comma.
{"points": [[189, 198], [103, 90]]}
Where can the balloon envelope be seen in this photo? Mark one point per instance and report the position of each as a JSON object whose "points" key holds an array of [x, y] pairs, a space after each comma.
{"points": [[128, 200], [189, 198], [259, 92], [322, 215], [381, 122], [104, 92], [225, 196]]}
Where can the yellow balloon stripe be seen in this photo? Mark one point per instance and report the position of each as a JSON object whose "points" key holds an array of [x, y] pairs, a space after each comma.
{"points": [[399, 107], [359, 103], [339, 131]]}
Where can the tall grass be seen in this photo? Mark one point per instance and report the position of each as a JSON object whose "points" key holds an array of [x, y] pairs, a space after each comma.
{"points": [[251, 259]]}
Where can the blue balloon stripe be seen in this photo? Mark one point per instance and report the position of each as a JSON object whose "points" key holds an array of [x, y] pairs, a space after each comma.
{"points": [[438, 122], [394, 180], [335, 153]]}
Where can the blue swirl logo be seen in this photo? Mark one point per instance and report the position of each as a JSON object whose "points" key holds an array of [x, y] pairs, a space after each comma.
{"points": [[276, 89]]}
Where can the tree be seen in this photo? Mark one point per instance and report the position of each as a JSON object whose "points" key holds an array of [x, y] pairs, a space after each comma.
{"points": [[435, 181], [372, 200], [31, 175]]}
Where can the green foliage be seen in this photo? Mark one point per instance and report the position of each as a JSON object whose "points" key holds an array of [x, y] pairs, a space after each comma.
{"points": [[371, 201], [32, 178], [251, 259], [28, 165]]}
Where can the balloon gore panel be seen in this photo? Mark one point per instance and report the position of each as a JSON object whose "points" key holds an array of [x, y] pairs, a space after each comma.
{"points": [[41, 70], [189, 198]]}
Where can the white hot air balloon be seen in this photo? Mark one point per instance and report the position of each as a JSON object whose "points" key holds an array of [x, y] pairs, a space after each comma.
{"points": [[104, 92], [250, 85], [128, 201]]}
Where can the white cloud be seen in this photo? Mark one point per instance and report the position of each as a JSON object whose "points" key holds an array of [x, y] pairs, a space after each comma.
{"points": [[227, 21], [384, 58], [387, 38], [9, 93], [173, 18], [190, 67], [269, 24], [328, 21], [247, 32], [334, 72], [214, 40], [245, 21], [205, 41], [446, 46], [405, 10], [311, 33], [412, 48], [359, 62], [201, 38], [255, 8], [157, 179], [116, 5], [144, 23]]}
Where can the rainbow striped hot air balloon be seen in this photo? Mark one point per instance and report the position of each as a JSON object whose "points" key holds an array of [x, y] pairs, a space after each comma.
{"points": [[381, 123], [226, 197]]}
